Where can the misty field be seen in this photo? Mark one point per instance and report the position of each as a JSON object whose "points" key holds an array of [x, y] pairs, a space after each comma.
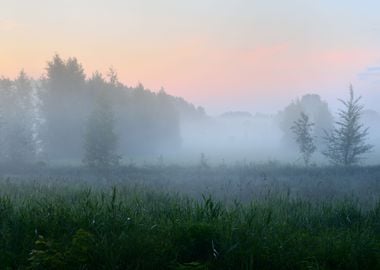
{"points": [[241, 217], [189, 135]]}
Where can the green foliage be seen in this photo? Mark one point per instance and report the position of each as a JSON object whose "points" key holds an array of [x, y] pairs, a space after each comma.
{"points": [[316, 109], [47, 254], [147, 122], [192, 266], [346, 143], [100, 140], [59, 226], [17, 120], [64, 106], [302, 128], [195, 242]]}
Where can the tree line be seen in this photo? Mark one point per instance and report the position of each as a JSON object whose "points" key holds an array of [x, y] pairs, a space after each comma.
{"points": [[97, 120], [66, 116]]}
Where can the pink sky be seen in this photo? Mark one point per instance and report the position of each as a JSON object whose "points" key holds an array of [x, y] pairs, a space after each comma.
{"points": [[222, 56]]}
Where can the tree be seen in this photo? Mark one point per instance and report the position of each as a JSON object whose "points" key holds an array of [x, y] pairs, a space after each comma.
{"points": [[149, 123], [65, 105], [17, 109], [316, 109], [5, 90], [100, 139], [346, 143], [302, 129]]}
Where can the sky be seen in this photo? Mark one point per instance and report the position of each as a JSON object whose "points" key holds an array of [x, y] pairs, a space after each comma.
{"points": [[221, 54]]}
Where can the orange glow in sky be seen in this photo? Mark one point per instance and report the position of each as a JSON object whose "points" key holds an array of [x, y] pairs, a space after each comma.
{"points": [[213, 53]]}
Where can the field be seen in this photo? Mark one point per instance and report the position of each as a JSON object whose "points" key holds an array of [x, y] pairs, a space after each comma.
{"points": [[265, 216]]}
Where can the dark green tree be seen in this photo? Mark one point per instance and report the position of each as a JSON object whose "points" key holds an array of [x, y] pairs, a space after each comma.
{"points": [[302, 130], [346, 143], [100, 141], [65, 105]]}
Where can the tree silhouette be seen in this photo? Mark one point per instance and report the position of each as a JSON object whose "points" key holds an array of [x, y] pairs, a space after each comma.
{"points": [[17, 118], [65, 105], [346, 143], [100, 140], [302, 129], [316, 109]]}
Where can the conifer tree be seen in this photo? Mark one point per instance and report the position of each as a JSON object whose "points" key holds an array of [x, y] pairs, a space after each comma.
{"points": [[346, 143], [100, 139]]}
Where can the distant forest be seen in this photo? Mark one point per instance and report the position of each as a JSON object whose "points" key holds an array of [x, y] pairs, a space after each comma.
{"points": [[47, 120]]}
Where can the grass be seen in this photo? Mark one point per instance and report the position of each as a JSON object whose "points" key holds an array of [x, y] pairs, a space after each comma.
{"points": [[72, 224]]}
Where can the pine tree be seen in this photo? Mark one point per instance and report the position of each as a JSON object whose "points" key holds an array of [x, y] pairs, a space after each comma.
{"points": [[17, 118], [346, 143], [100, 139], [302, 129], [64, 107]]}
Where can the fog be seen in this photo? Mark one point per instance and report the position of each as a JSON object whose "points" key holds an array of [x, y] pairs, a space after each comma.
{"points": [[69, 118], [92, 168], [241, 138], [203, 134]]}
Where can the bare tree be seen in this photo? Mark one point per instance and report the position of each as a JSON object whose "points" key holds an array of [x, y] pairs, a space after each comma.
{"points": [[346, 143], [302, 128]]}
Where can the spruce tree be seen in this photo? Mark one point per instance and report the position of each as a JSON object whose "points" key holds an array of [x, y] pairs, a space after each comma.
{"points": [[100, 139], [346, 143], [17, 119]]}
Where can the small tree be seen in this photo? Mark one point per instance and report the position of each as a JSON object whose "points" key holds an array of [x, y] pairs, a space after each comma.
{"points": [[346, 143], [302, 129], [100, 139]]}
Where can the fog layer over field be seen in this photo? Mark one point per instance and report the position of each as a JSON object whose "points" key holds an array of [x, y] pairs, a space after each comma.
{"points": [[242, 137], [66, 117]]}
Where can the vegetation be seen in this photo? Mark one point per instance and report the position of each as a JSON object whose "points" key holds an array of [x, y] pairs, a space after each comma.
{"points": [[302, 129], [100, 138], [315, 108], [137, 222], [55, 227], [347, 141], [116, 215], [48, 116], [16, 138], [56, 119]]}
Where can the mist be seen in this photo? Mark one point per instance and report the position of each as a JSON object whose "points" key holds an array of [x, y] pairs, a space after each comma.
{"points": [[44, 121], [189, 135]]}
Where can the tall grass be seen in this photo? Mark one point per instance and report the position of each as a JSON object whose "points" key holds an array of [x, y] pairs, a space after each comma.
{"points": [[52, 225]]}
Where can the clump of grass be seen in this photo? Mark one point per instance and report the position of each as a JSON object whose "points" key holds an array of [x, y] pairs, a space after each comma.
{"points": [[75, 227]]}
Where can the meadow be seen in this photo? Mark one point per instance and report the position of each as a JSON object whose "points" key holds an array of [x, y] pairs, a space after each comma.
{"points": [[266, 216]]}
